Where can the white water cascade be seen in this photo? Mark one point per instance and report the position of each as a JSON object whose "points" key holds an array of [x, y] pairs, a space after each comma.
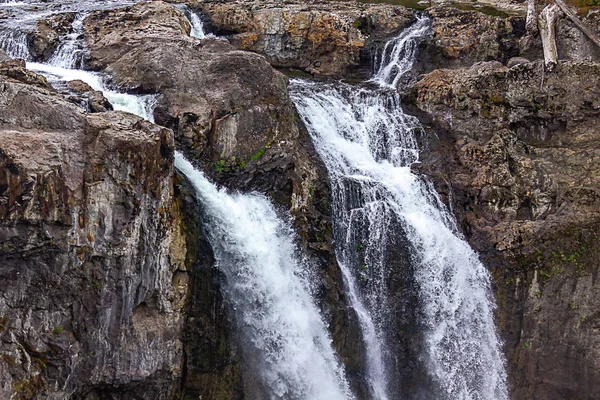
{"points": [[71, 50], [194, 20], [284, 337], [368, 145], [285, 340]]}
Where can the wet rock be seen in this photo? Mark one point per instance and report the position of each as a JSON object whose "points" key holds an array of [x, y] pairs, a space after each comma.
{"points": [[44, 40], [93, 252], [320, 38], [3, 56], [83, 94], [15, 70], [520, 149], [516, 61], [231, 113]]}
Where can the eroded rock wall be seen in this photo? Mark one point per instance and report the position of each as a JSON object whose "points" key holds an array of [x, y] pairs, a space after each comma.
{"points": [[322, 38], [231, 114], [92, 248], [516, 154]]}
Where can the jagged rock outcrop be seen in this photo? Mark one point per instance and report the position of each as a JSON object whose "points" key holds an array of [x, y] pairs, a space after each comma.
{"points": [[517, 154], [15, 69], [93, 252], [231, 113], [323, 38], [84, 95], [460, 38], [44, 40]]}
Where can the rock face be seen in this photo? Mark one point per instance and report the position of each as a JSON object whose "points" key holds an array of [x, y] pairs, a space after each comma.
{"points": [[320, 38], [93, 252], [460, 38], [231, 113], [44, 40], [521, 150], [83, 94]]}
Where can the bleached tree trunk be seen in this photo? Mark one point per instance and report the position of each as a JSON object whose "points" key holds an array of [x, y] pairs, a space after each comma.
{"points": [[531, 20], [547, 25]]}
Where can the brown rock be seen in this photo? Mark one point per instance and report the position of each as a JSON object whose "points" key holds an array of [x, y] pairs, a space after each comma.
{"points": [[46, 38], [15, 69], [231, 112], [516, 61], [90, 241], [321, 38], [461, 38], [83, 94]]}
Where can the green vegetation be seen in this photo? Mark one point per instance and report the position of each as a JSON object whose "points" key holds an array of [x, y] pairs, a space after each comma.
{"points": [[219, 165], [258, 154], [58, 330]]}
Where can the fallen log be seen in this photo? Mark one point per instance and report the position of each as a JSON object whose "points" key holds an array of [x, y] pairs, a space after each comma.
{"points": [[530, 21], [547, 24]]}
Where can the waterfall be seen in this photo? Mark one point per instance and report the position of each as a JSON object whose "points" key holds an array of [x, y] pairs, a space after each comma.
{"points": [[14, 43], [71, 50], [194, 20], [368, 144], [285, 341], [398, 54]]}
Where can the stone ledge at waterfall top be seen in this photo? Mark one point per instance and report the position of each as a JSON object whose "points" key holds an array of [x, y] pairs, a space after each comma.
{"points": [[340, 38], [45, 39], [521, 151], [322, 38], [92, 251]]}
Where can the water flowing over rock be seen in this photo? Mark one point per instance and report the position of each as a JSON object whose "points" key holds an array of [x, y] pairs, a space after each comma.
{"points": [[124, 279], [45, 39], [516, 155], [231, 112], [286, 347], [368, 145]]}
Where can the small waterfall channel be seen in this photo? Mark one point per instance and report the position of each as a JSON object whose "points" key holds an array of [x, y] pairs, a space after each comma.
{"points": [[368, 144]]}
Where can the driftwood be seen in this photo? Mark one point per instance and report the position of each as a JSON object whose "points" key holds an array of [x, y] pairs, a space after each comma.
{"points": [[530, 21], [584, 28], [547, 25]]}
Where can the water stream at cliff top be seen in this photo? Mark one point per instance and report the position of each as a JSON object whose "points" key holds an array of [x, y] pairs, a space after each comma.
{"points": [[368, 144]]}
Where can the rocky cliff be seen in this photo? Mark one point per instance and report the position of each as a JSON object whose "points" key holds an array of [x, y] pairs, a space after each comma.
{"points": [[92, 247], [231, 113], [110, 288], [516, 155]]}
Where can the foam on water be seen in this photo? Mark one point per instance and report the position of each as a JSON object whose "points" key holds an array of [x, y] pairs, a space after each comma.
{"points": [[285, 340]]}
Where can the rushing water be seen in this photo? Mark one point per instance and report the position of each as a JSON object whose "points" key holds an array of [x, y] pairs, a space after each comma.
{"points": [[368, 145], [195, 21], [285, 340], [286, 345]]}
